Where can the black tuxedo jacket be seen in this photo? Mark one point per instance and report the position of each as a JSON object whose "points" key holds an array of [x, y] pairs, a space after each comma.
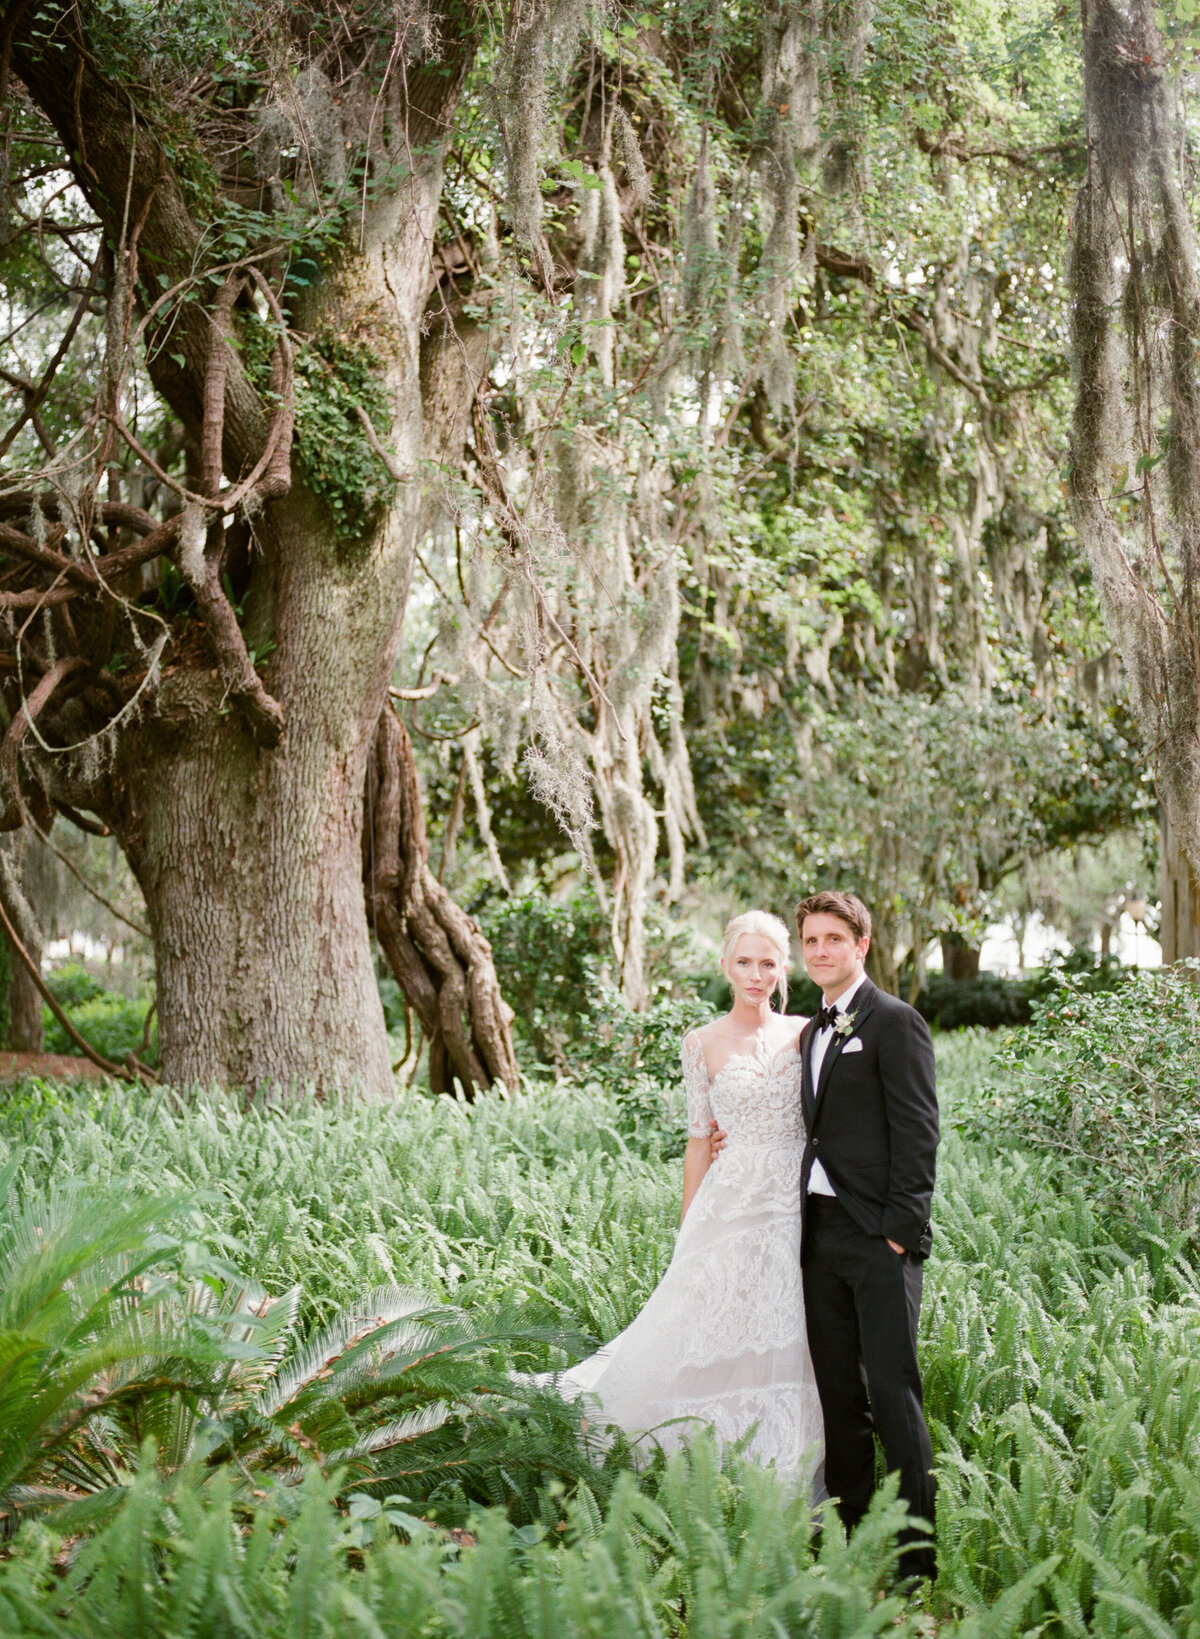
{"points": [[872, 1121]]}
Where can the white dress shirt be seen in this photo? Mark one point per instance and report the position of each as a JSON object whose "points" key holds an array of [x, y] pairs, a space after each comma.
{"points": [[818, 1178]]}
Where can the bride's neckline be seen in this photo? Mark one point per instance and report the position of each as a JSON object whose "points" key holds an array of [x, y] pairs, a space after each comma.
{"points": [[758, 1055]]}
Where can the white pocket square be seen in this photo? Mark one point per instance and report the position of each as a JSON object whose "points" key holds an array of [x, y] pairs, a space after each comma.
{"points": [[854, 1045]]}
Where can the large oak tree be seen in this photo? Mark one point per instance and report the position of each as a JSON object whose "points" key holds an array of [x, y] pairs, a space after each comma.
{"points": [[264, 256]]}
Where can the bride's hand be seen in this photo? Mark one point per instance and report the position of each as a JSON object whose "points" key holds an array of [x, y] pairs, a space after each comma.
{"points": [[717, 1139]]}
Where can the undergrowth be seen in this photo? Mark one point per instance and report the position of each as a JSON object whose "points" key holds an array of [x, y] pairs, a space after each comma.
{"points": [[1061, 1356]]}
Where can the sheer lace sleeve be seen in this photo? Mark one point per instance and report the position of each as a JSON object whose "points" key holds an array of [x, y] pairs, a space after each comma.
{"points": [[695, 1082]]}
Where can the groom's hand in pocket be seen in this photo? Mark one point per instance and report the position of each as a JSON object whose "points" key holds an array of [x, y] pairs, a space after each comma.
{"points": [[893, 1244], [716, 1139]]}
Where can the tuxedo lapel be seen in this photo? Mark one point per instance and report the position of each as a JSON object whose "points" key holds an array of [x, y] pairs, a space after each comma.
{"points": [[864, 1000], [807, 1098]]}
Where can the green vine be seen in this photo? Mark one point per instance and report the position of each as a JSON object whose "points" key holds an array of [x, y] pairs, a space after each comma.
{"points": [[335, 376]]}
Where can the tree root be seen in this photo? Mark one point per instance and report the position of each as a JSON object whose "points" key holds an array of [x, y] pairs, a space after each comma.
{"points": [[439, 955]]}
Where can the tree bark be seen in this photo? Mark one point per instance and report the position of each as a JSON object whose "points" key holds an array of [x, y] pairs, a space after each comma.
{"points": [[249, 864], [24, 1005], [881, 963], [1180, 931], [24, 998]]}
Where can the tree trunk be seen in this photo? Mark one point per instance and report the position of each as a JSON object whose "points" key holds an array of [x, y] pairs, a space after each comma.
{"points": [[881, 962], [249, 863], [1180, 931], [960, 961], [24, 1005], [236, 787], [1135, 477], [24, 998]]}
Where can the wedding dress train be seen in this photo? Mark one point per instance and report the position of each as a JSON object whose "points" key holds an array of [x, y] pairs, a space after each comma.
{"points": [[721, 1340]]}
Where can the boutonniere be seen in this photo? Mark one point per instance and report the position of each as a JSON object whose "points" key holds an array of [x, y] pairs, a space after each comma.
{"points": [[844, 1024]]}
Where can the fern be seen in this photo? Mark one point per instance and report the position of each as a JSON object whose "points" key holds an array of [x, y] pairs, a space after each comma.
{"points": [[1062, 1378]]}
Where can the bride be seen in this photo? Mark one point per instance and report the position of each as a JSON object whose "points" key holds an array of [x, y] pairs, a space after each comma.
{"points": [[721, 1339]]}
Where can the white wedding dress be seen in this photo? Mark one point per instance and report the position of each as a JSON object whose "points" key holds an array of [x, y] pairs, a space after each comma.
{"points": [[721, 1340]]}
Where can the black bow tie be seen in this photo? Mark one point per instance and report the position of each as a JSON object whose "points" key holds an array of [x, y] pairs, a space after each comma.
{"points": [[827, 1018]]}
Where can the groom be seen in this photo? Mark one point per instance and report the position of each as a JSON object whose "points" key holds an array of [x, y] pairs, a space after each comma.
{"points": [[871, 1120]]}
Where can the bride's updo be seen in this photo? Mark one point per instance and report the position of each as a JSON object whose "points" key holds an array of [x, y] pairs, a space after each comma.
{"points": [[765, 926]]}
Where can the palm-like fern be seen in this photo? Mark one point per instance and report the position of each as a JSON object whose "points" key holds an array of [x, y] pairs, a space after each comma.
{"points": [[86, 1334], [104, 1346]]}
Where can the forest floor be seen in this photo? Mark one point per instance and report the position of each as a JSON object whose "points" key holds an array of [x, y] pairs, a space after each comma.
{"points": [[48, 1067]]}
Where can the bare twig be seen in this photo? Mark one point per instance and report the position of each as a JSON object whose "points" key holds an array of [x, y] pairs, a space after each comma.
{"points": [[95, 892], [34, 399], [394, 472]]}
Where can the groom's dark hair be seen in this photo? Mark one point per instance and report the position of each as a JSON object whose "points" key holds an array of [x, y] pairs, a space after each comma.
{"points": [[847, 906]]}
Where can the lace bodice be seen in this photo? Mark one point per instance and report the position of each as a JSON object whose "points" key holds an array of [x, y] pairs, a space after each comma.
{"points": [[754, 1097]]}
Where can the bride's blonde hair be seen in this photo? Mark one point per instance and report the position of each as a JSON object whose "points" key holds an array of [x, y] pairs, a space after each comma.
{"points": [[765, 926]]}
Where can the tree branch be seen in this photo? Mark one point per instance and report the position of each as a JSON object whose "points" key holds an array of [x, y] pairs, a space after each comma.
{"points": [[12, 808], [101, 572], [200, 568]]}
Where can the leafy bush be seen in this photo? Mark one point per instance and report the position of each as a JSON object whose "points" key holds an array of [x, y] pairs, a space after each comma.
{"points": [[990, 1001], [1111, 1080], [89, 1330], [995, 1002], [637, 1056], [548, 955], [1091, 972], [72, 985], [114, 1025], [116, 1322], [622, 1043], [552, 959], [1061, 1382], [707, 1550]]}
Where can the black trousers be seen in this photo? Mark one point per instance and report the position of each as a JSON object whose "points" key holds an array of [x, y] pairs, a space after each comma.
{"points": [[862, 1303]]}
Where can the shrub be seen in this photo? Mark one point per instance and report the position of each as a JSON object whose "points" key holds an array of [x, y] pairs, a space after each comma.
{"points": [[1090, 971], [94, 1328], [1111, 1080], [1060, 1384], [114, 1025], [72, 985], [552, 959], [548, 955], [989, 1000], [114, 1323], [995, 1002], [716, 1549], [636, 1056]]}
